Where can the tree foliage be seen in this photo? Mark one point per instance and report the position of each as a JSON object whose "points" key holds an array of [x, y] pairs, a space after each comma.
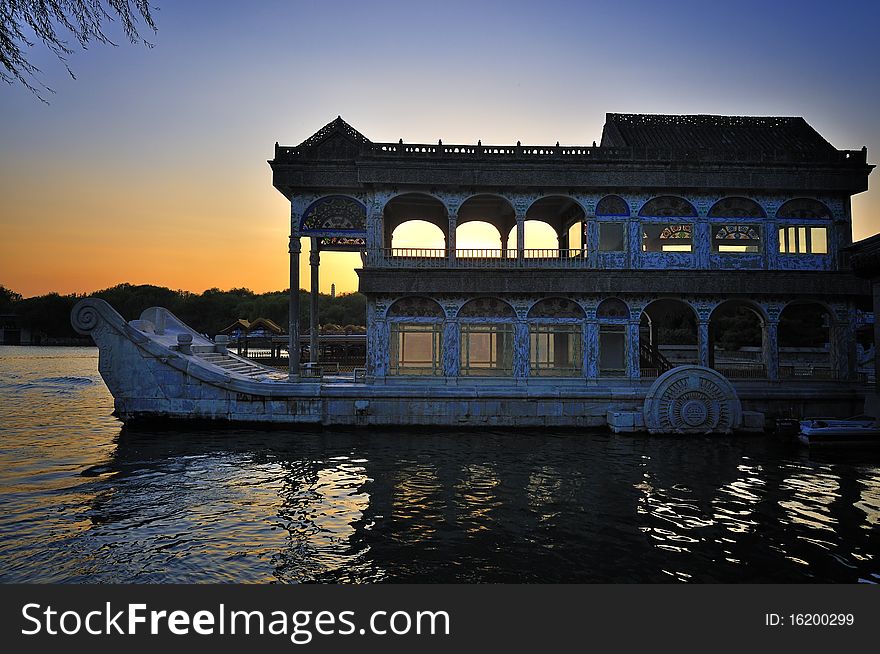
{"points": [[53, 22], [207, 312]]}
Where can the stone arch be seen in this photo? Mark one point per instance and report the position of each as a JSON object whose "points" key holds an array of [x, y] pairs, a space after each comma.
{"points": [[612, 205], [669, 335], [612, 308], [489, 208], [806, 333], [331, 214], [406, 207], [561, 213], [556, 307], [668, 206], [415, 325], [487, 307], [799, 208], [737, 207], [415, 306], [736, 327], [402, 236]]}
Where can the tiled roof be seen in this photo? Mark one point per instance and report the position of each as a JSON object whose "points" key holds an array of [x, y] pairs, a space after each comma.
{"points": [[705, 132]]}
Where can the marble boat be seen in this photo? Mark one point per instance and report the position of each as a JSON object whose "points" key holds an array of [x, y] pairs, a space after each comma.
{"points": [[670, 223]]}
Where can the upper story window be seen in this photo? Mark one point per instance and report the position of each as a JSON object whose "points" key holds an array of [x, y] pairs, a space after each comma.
{"points": [[670, 236], [803, 239], [736, 238], [611, 237], [667, 237]]}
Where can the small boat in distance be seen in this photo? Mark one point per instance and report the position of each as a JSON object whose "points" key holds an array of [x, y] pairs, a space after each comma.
{"points": [[858, 430]]}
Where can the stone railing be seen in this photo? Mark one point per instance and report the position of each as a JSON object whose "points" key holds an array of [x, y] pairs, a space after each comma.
{"points": [[558, 152], [476, 258]]}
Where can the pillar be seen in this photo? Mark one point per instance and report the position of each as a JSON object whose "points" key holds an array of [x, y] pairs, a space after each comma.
{"points": [[591, 349], [314, 325], [293, 317], [703, 342], [450, 238], [521, 349], [504, 244], [770, 348], [591, 241], [564, 245], [520, 236], [634, 359], [451, 346], [842, 349]]}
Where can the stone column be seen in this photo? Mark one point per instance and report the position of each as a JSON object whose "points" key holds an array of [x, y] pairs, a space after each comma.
{"points": [[314, 324], [634, 242], [842, 349], [770, 348], [633, 360], [504, 245], [294, 248], [451, 348], [591, 240], [521, 349], [450, 238], [703, 342], [702, 243], [520, 236], [591, 349], [563, 243]]}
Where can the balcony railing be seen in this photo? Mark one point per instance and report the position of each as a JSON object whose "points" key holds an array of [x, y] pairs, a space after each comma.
{"points": [[477, 258], [530, 153]]}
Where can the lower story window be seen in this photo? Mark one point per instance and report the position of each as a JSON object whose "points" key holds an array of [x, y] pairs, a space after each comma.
{"points": [[486, 349], [555, 350], [612, 350], [415, 349]]}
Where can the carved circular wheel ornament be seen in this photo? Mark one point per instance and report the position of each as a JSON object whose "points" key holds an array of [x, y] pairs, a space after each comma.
{"points": [[692, 400]]}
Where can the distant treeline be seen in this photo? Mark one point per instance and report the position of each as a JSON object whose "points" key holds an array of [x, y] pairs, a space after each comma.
{"points": [[207, 312]]}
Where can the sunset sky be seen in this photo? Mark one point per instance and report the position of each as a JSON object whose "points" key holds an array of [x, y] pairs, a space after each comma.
{"points": [[151, 166]]}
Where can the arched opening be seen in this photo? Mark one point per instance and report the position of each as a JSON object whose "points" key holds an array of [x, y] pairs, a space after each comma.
{"points": [[540, 240], [805, 341], [418, 238], [486, 338], [481, 242], [613, 317], [667, 336], [415, 329], [736, 340], [418, 208], [565, 219], [555, 338], [477, 239]]}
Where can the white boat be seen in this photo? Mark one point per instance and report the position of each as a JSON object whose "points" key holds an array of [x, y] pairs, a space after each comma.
{"points": [[858, 430]]}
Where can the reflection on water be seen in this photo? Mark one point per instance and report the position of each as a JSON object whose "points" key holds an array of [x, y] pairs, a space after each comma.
{"points": [[83, 500]]}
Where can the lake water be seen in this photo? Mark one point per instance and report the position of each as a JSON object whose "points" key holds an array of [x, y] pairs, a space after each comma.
{"points": [[83, 499]]}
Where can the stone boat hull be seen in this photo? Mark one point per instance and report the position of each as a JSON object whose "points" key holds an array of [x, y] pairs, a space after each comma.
{"points": [[158, 368]]}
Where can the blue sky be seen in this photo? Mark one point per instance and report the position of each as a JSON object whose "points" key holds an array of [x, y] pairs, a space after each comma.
{"points": [[152, 146]]}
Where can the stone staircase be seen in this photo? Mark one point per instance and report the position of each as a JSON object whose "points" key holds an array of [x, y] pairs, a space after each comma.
{"points": [[240, 366]]}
